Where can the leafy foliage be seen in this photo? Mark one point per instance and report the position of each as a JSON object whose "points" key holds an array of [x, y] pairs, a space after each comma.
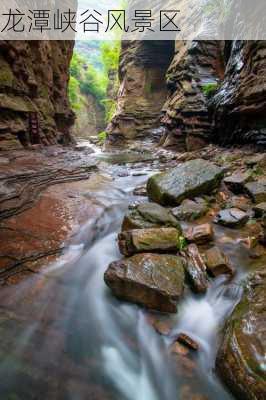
{"points": [[102, 136], [182, 243], [110, 53], [86, 80], [74, 94]]}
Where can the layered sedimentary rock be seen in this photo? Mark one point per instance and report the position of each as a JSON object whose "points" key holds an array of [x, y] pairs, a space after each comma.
{"points": [[34, 104], [240, 104], [142, 90], [187, 117], [208, 91]]}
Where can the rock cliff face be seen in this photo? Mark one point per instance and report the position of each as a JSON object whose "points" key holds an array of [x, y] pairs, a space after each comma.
{"points": [[209, 91], [186, 114], [142, 88], [33, 92], [240, 104]]}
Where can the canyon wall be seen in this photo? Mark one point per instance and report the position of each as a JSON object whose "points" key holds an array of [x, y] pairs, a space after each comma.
{"points": [[142, 92], [34, 104], [239, 107], [209, 91]]}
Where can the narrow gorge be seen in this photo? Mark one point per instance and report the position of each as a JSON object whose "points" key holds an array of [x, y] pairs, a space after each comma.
{"points": [[133, 220]]}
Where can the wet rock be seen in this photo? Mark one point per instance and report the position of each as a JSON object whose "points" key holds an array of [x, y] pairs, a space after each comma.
{"points": [[190, 210], [199, 234], [260, 209], [241, 358], [151, 280], [257, 190], [258, 159], [149, 215], [217, 262], [188, 341], [241, 202], [185, 366], [163, 327], [140, 191], [187, 394], [236, 182], [232, 218], [148, 240], [195, 269], [188, 180], [178, 348]]}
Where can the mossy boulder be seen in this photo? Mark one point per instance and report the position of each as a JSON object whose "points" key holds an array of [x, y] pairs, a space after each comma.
{"points": [[148, 240], [241, 358], [149, 215], [151, 280], [189, 180]]}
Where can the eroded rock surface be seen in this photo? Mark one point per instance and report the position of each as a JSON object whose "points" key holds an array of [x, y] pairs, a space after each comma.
{"points": [[241, 359], [41, 205], [151, 280], [33, 91]]}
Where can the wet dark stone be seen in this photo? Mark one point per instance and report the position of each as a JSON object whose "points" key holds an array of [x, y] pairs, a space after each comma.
{"points": [[190, 210], [199, 234], [195, 269], [188, 180], [257, 190], [149, 215], [151, 280], [217, 263], [188, 341], [148, 240], [260, 209], [232, 218], [241, 358], [236, 182]]}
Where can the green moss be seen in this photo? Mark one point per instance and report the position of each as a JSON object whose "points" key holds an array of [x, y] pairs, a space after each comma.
{"points": [[6, 74], [209, 89], [182, 243]]}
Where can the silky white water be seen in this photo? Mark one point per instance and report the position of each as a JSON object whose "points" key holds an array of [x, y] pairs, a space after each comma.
{"points": [[75, 331]]}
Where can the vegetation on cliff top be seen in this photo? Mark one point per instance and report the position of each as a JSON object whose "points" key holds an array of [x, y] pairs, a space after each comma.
{"points": [[86, 79]]}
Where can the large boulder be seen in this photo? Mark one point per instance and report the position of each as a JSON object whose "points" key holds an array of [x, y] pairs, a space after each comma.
{"points": [[151, 280], [149, 215], [241, 358], [191, 179], [148, 240]]}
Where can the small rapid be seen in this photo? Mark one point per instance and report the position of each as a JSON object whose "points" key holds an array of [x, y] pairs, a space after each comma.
{"points": [[65, 337]]}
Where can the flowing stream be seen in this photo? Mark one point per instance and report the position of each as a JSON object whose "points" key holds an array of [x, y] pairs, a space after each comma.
{"points": [[63, 336]]}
